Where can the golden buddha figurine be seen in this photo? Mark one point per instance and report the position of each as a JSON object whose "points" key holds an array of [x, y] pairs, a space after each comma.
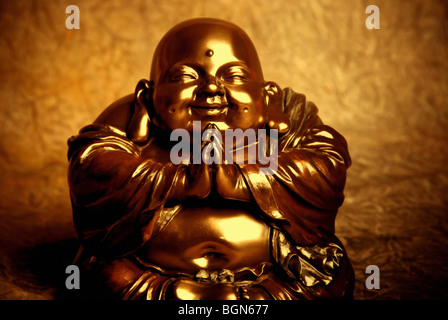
{"points": [[209, 227]]}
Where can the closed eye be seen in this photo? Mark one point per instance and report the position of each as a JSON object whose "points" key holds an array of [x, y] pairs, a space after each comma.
{"points": [[235, 75], [236, 78], [183, 74], [183, 77]]}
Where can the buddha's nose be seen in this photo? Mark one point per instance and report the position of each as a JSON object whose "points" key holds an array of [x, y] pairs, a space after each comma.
{"points": [[211, 87]]}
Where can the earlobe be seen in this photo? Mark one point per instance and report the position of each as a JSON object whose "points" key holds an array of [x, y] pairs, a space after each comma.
{"points": [[143, 92], [277, 119], [138, 128], [272, 88]]}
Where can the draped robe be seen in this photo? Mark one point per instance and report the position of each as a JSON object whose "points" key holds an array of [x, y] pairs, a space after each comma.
{"points": [[119, 201]]}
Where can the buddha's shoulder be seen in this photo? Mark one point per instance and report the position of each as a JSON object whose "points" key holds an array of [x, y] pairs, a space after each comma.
{"points": [[118, 113]]}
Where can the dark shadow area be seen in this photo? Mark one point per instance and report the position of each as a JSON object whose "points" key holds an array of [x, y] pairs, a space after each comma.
{"points": [[42, 268], [47, 264]]}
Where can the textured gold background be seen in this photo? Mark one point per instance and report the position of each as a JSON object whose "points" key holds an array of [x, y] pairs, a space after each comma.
{"points": [[384, 90]]}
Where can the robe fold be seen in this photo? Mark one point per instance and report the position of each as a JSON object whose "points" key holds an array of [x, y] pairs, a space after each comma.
{"points": [[119, 198]]}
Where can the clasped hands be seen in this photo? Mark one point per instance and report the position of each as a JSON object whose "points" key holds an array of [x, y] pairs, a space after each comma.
{"points": [[198, 180]]}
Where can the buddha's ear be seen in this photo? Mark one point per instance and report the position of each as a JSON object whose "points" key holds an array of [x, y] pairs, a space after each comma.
{"points": [[138, 128], [277, 119]]}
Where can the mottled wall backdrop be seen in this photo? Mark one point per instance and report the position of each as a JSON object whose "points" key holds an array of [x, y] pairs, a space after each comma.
{"points": [[385, 90]]}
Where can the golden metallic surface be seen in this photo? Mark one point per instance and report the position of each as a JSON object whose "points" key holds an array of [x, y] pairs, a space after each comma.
{"points": [[191, 85], [219, 238], [152, 229]]}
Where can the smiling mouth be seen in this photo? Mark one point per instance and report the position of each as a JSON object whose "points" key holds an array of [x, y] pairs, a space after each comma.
{"points": [[210, 109], [209, 106]]}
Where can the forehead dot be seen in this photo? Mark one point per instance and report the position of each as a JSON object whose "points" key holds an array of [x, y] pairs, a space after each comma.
{"points": [[209, 53]]}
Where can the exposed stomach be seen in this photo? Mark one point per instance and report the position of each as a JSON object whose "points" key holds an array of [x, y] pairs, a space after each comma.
{"points": [[209, 238]]}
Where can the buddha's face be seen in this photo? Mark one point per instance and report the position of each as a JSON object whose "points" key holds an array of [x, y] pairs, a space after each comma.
{"points": [[208, 71]]}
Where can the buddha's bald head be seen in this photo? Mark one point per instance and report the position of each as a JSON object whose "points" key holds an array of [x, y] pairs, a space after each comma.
{"points": [[208, 70], [205, 40]]}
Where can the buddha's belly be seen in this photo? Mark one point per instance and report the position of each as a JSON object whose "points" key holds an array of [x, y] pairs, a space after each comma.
{"points": [[209, 238]]}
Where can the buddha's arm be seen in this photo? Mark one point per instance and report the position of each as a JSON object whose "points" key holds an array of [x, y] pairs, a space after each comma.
{"points": [[315, 169], [311, 164], [114, 191]]}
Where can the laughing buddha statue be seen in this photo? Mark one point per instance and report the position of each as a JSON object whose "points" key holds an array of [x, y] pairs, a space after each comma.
{"points": [[155, 229]]}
